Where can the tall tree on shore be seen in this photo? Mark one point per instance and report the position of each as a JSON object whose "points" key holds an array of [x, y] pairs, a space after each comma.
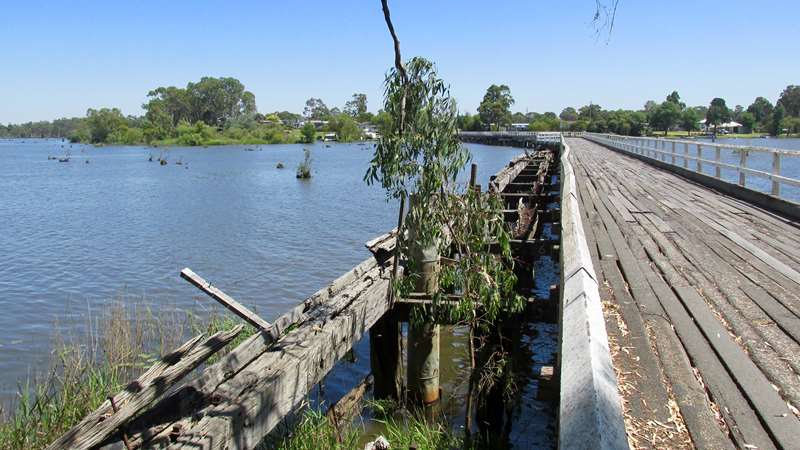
{"points": [[212, 100], [495, 106], [718, 113], [748, 121], [356, 107], [102, 122], [790, 99], [675, 98], [590, 112], [761, 109], [776, 120], [316, 109], [665, 116], [689, 119], [568, 114]]}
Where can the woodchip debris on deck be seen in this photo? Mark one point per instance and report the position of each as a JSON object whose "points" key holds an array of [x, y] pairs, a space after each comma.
{"points": [[702, 301]]}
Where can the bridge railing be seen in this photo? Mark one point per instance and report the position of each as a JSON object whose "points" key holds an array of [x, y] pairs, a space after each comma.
{"points": [[540, 136], [769, 170], [590, 407]]}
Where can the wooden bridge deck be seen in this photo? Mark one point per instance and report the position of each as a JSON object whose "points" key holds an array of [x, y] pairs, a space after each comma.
{"points": [[701, 295]]}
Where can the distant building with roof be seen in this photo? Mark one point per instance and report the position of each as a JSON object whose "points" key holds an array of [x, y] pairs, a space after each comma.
{"points": [[727, 127]]}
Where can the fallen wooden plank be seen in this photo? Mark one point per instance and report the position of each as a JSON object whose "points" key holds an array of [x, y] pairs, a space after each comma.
{"points": [[342, 413], [225, 299], [98, 426], [106, 409]]}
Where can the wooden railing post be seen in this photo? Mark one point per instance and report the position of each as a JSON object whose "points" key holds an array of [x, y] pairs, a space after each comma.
{"points": [[742, 165], [384, 356], [685, 155], [699, 156], [776, 171], [673, 153], [717, 158]]}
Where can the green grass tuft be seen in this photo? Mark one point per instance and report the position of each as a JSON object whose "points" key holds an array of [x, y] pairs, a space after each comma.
{"points": [[84, 374]]}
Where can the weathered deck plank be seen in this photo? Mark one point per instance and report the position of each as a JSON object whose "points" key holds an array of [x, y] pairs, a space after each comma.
{"points": [[719, 271]]}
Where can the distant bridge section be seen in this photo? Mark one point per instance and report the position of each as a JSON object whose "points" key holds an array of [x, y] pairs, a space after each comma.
{"points": [[526, 139]]}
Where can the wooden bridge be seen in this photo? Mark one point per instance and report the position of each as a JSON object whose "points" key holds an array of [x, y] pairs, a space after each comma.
{"points": [[701, 294], [679, 309]]}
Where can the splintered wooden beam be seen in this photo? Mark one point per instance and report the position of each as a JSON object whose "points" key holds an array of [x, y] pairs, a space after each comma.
{"points": [[225, 299], [114, 413]]}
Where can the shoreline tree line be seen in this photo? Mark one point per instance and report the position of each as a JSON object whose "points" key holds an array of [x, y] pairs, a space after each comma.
{"points": [[216, 111], [762, 116], [212, 111]]}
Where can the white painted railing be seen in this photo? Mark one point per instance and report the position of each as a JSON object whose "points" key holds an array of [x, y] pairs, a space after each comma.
{"points": [[727, 159], [540, 136]]}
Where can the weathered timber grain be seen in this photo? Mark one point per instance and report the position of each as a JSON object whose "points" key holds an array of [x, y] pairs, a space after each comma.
{"points": [[262, 393], [782, 424], [156, 430], [99, 425]]}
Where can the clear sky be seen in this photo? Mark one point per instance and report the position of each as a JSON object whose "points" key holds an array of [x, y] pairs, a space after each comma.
{"points": [[61, 57]]}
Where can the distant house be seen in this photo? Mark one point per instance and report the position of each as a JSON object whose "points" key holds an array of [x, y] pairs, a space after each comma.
{"points": [[521, 126], [368, 130], [724, 128], [319, 124], [293, 123]]}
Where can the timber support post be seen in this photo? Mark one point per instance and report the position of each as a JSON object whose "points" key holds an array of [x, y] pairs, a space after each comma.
{"points": [[384, 357], [423, 338], [423, 362]]}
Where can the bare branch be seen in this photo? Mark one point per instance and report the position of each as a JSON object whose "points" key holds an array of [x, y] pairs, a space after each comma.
{"points": [[398, 60], [605, 15]]}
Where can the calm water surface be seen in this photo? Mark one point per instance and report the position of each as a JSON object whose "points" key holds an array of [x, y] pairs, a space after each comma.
{"points": [[76, 236]]}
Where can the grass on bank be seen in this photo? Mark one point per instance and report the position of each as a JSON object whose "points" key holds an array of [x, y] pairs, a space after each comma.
{"points": [[126, 341], [85, 372]]}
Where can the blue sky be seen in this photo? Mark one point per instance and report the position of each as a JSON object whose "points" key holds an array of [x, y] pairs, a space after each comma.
{"points": [[60, 58]]}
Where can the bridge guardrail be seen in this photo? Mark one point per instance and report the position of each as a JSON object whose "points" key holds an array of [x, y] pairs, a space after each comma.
{"points": [[590, 406], [540, 136], [767, 163]]}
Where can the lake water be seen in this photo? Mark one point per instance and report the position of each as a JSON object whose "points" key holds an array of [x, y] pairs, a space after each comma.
{"points": [[77, 237]]}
